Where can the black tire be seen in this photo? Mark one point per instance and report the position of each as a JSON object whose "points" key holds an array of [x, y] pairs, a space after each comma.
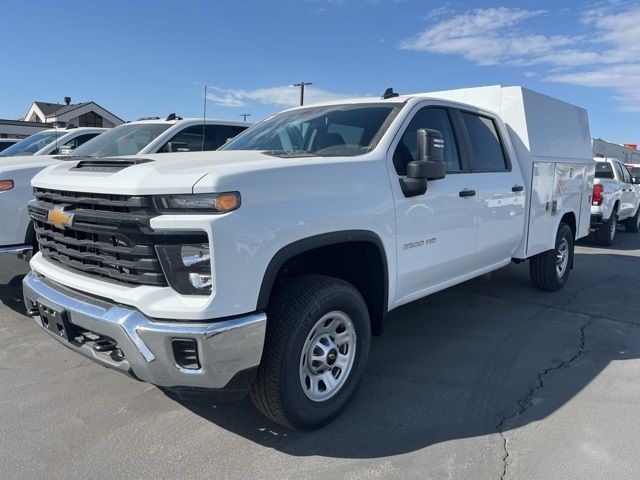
{"points": [[294, 310], [606, 233], [632, 225], [543, 267]]}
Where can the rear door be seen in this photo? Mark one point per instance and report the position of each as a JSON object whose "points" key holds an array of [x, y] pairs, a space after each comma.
{"points": [[437, 230], [500, 189]]}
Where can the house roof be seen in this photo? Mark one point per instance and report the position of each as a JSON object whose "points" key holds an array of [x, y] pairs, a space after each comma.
{"points": [[58, 109], [65, 108], [48, 108]]}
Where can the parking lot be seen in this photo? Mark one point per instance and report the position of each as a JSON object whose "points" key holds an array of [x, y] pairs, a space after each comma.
{"points": [[489, 379]]}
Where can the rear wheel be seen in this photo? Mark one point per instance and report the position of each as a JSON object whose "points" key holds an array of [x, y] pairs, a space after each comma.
{"points": [[633, 224], [316, 348], [606, 234], [550, 270]]}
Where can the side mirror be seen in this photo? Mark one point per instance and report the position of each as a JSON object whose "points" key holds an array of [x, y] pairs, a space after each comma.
{"points": [[429, 165], [635, 180], [173, 147]]}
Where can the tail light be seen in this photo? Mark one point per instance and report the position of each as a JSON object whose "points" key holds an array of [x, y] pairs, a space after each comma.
{"points": [[597, 194]]}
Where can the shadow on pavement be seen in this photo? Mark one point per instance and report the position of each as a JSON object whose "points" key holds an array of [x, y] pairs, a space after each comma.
{"points": [[11, 294], [462, 362]]}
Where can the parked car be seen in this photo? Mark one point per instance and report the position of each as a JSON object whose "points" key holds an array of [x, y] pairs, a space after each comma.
{"points": [[51, 141], [7, 142], [266, 266], [634, 170], [615, 199], [17, 238]]}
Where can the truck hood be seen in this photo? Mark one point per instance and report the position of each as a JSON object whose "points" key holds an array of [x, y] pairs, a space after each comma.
{"points": [[154, 173], [12, 164]]}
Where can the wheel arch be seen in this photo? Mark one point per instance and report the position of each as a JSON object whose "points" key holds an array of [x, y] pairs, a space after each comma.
{"points": [[368, 273]]}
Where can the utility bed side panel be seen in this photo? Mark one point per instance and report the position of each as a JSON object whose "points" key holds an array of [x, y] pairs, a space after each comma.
{"points": [[587, 194], [541, 221], [557, 189]]}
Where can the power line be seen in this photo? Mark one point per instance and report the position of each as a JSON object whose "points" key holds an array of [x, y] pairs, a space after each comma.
{"points": [[244, 116]]}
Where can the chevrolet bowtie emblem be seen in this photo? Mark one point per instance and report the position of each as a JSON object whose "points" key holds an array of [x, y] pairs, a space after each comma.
{"points": [[59, 217]]}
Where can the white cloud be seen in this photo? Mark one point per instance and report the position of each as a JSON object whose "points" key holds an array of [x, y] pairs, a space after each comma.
{"points": [[608, 55], [283, 96]]}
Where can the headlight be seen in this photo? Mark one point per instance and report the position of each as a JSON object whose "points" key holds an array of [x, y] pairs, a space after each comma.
{"points": [[187, 267], [199, 202]]}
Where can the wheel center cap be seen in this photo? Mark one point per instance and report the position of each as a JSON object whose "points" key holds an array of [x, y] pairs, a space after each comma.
{"points": [[332, 356]]}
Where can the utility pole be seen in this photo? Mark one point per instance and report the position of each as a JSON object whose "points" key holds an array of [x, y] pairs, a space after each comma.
{"points": [[301, 85], [244, 116]]}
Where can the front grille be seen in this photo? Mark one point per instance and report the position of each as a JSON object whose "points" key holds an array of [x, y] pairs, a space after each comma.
{"points": [[109, 236]]}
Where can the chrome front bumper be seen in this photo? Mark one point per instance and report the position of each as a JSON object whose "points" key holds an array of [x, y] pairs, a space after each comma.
{"points": [[226, 348]]}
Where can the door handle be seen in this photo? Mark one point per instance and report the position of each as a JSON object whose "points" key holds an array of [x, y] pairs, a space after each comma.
{"points": [[467, 193], [517, 188]]}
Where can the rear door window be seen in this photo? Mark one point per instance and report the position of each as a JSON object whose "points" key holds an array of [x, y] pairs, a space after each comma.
{"points": [[619, 172], [487, 152]]}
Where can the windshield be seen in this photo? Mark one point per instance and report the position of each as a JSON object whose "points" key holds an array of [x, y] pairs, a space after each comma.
{"points": [[335, 130], [127, 139], [32, 144]]}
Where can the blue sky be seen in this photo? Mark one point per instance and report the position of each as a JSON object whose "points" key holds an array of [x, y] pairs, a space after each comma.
{"points": [[147, 58]]}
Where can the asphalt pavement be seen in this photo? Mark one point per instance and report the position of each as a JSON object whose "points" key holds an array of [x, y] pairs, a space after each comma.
{"points": [[490, 379]]}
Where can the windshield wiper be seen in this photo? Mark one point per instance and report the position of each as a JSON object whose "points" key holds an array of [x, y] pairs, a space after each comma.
{"points": [[288, 154]]}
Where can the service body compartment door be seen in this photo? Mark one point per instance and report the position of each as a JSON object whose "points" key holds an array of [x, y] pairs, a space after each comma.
{"points": [[541, 221], [557, 188]]}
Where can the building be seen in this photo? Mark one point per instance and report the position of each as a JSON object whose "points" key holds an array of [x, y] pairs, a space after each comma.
{"points": [[42, 115], [625, 153]]}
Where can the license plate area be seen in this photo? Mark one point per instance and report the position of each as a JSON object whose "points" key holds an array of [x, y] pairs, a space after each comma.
{"points": [[56, 320]]}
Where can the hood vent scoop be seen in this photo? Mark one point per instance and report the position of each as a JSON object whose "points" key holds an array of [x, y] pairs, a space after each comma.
{"points": [[108, 165]]}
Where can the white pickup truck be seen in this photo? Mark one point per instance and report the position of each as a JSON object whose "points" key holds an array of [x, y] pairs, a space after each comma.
{"points": [[616, 198], [17, 238], [267, 266]]}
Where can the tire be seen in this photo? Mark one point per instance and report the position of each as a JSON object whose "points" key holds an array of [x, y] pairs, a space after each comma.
{"points": [[606, 234], [548, 271], [632, 225], [286, 390]]}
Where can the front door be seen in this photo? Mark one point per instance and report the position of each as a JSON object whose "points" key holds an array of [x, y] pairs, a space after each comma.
{"points": [[437, 230]]}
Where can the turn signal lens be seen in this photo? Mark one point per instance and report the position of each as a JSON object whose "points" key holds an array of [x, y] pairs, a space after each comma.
{"points": [[6, 185], [225, 202]]}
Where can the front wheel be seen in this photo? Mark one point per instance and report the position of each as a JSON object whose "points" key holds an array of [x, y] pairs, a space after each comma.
{"points": [[316, 348], [633, 224], [550, 270]]}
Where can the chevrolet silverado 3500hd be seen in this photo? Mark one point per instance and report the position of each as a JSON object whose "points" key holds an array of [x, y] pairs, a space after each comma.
{"points": [[266, 266]]}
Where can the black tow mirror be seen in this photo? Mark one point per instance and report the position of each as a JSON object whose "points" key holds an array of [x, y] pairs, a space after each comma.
{"points": [[173, 147], [429, 165]]}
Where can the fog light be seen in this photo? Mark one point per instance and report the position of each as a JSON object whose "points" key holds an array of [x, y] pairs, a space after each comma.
{"points": [[201, 282], [187, 267]]}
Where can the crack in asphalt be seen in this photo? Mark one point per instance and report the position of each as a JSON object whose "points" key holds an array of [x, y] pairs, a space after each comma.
{"points": [[525, 403]]}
